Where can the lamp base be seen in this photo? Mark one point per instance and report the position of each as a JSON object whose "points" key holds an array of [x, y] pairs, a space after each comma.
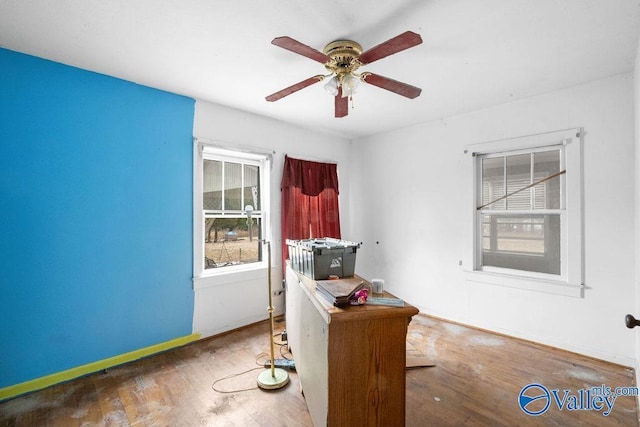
{"points": [[279, 379]]}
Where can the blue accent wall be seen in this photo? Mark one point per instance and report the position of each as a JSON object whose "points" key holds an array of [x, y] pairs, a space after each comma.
{"points": [[95, 217]]}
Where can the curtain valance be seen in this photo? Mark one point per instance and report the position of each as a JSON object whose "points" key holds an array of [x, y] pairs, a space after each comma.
{"points": [[312, 178]]}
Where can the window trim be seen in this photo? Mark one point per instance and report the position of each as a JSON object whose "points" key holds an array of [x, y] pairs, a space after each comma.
{"points": [[201, 149], [570, 282]]}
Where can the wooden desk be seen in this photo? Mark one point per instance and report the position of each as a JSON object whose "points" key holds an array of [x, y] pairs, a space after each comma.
{"points": [[351, 361]]}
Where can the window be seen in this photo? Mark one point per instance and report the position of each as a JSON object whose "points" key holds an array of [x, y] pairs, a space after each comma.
{"points": [[230, 209], [528, 209], [522, 210]]}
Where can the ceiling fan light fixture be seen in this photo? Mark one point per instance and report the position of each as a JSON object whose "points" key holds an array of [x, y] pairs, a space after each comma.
{"points": [[331, 87], [349, 84]]}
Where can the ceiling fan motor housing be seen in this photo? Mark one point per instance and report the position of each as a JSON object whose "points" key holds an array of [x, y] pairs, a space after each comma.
{"points": [[344, 56]]}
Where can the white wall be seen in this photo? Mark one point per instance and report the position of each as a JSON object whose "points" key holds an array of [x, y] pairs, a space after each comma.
{"points": [[225, 303], [411, 192], [636, 312]]}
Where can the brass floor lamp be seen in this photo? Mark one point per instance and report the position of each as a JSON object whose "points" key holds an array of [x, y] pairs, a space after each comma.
{"points": [[273, 378]]}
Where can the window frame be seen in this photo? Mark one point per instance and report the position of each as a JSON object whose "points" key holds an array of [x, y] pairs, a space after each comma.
{"points": [[206, 151], [570, 280]]}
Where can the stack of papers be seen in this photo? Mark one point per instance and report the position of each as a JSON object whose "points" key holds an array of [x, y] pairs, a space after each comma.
{"points": [[338, 292]]}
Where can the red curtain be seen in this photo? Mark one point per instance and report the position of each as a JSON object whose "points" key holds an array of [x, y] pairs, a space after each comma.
{"points": [[309, 201]]}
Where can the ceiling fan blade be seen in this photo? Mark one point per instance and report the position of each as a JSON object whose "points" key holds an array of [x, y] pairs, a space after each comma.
{"points": [[392, 85], [295, 46], [342, 104], [294, 88], [397, 44]]}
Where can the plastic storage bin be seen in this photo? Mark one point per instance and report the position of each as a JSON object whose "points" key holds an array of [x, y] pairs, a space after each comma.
{"points": [[320, 258]]}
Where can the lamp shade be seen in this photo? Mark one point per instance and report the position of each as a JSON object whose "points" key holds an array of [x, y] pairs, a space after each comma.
{"points": [[349, 84], [332, 86]]}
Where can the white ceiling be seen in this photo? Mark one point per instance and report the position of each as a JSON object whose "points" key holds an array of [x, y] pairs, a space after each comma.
{"points": [[475, 53]]}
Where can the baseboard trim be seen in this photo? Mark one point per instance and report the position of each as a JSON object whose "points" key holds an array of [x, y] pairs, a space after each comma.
{"points": [[90, 368]]}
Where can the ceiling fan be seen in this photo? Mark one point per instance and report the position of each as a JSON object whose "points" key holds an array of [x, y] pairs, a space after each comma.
{"points": [[342, 58]]}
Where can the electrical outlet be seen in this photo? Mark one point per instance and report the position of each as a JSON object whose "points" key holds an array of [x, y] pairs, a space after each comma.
{"points": [[277, 292]]}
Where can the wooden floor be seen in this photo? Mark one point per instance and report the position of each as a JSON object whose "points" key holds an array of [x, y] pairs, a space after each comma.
{"points": [[476, 381]]}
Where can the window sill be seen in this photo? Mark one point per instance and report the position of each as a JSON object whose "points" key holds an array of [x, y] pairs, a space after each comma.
{"points": [[222, 277], [526, 283]]}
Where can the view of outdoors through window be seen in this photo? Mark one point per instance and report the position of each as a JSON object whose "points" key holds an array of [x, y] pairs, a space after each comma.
{"points": [[231, 191], [228, 241], [520, 212]]}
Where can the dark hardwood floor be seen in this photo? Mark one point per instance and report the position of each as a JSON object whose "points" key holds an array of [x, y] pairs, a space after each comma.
{"points": [[476, 381]]}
